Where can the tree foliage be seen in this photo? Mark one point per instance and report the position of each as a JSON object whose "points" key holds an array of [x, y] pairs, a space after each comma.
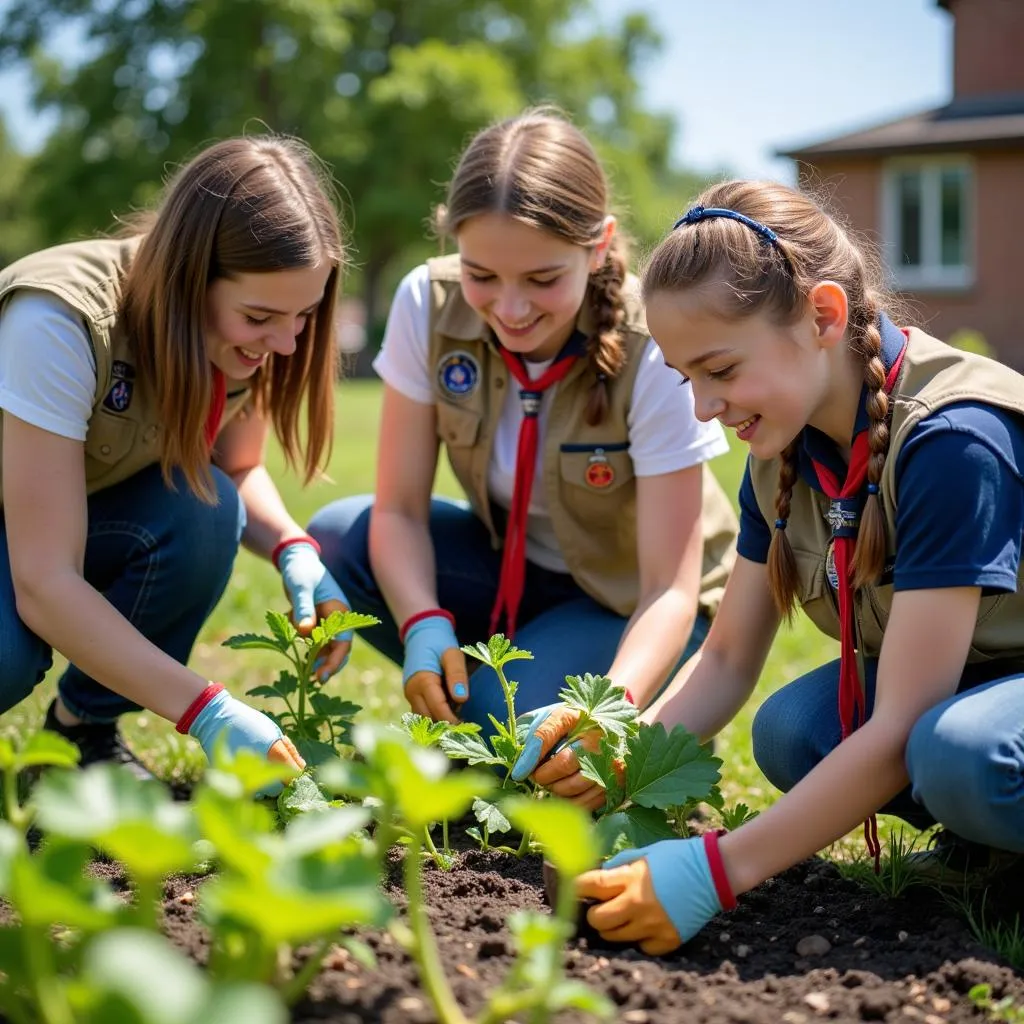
{"points": [[386, 92]]}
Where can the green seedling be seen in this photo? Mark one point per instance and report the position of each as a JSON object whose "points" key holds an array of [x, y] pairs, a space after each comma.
{"points": [[646, 775], [730, 817], [1002, 1010], [317, 722], [894, 875], [40, 750], [137, 977], [426, 733], [408, 788]]}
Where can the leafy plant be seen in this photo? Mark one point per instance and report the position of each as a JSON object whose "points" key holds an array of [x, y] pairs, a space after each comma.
{"points": [[408, 787], [646, 774], [309, 711], [41, 750], [1003, 1010]]}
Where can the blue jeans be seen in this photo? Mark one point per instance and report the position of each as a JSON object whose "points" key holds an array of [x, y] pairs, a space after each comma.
{"points": [[567, 631], [965, 756], [160, 556]]}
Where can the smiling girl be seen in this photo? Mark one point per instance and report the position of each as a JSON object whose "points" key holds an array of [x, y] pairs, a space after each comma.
{"points": [[138, 380], [884, 494], [593, 532]]}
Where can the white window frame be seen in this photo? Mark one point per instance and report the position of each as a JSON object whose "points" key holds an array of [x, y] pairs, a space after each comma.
{"points": [[931, 274]]}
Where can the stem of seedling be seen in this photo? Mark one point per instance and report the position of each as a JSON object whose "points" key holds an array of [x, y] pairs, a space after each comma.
{"points": [[432, 849], [293, 990], [13, 811], [45, 984], [509, 704], [148, 892], [424, 949]]}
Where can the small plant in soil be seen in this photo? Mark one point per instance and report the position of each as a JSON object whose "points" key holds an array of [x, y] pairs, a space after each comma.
{"points": [[894, 875], [409, 788], [1003, 1010], [317, 722]]}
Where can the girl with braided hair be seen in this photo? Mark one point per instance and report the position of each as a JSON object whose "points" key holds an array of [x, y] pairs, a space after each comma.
{"points": [[856, 429], [593, 532]]}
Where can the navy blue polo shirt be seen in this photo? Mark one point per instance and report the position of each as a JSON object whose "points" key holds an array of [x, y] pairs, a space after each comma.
{"points": [[960, 493]]}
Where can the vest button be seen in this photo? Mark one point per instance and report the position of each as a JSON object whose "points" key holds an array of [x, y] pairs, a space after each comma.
{"points": [[151, 432], [104, 449], [451, 435], [499, 384]]}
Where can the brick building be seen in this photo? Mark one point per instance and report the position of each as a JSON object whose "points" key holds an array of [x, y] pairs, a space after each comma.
{"points": [[943, 190]]}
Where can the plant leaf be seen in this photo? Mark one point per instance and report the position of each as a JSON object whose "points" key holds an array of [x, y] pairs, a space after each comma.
{"points": [[468, 747], [254, 642], [666, 769], [599, 767], [300, 796], [281, 626], [563, 830], [496, 651], [47, 748], [332, 706], [600, 703], [489, 815]]}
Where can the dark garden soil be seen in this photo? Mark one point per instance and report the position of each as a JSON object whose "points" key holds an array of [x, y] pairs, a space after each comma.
{"points": [[906, 960], [805, 947]]}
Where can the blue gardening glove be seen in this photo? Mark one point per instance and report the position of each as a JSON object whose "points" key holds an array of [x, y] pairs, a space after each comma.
{"points": [[314, 594], [434, 667], [243, 728], [659, 896]]}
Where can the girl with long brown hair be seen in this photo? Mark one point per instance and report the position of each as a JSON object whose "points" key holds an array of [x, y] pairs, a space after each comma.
{"points": [[139, 379], [884, 493], [593, 533]]}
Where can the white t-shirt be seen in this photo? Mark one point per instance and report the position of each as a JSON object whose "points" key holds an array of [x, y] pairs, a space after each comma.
{"points": [[47, 365], [664, 433]]}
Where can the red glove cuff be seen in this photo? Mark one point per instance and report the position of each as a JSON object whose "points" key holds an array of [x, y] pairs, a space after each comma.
{"points": [[304, 539], [192, 711], [718, 875], [430, 613]]}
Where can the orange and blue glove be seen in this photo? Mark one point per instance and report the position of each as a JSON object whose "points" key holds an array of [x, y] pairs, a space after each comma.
{"points": [[314, 594], [659, 896]]}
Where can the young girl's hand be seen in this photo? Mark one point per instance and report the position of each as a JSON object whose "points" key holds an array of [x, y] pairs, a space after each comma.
{"points": [[659, 896], [314, 594], [434, 669]]}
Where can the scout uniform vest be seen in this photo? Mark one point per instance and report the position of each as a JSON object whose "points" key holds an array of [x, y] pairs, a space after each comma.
{"points": [[587, 474], [124, 434], [933, 375]]}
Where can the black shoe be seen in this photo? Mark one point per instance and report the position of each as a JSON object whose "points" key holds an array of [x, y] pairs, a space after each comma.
{"points": [[98, 742], [954, 862]]}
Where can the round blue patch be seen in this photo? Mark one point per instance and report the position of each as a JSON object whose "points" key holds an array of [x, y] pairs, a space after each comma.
{"points": [[458, 374]]}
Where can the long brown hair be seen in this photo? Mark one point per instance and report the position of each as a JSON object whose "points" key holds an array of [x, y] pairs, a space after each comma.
{"points": [[543, 171], [744, 274], [244, 205]]}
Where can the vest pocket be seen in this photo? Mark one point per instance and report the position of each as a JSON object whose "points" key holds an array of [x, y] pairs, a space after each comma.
{"points": [[458, 428], [598, 469], [110, 438], [814, 593]]}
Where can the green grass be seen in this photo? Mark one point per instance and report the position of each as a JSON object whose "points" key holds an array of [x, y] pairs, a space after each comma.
{"points": [[369, 679]]}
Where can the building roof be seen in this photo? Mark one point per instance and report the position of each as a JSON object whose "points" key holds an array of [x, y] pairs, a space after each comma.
{"points": [[974, 122]]}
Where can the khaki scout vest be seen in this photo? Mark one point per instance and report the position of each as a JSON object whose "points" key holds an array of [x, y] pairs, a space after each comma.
{"points": [[933, 375], [595, 526], [124, 430]]}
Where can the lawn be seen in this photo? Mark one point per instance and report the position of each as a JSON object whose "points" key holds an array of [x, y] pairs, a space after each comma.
{"points": [[369, 680]]}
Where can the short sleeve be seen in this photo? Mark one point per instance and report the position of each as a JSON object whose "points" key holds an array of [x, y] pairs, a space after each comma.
{"points": [[402, 360], [755, 537], [47, 365], [960, 501], [664, 432]]}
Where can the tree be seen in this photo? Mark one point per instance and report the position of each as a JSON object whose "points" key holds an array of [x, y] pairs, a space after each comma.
{"points": [[386, 91], [19, 234]]}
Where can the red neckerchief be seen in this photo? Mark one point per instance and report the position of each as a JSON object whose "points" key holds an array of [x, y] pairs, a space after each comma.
{"points": [[513, 559], [216, 413], [851, 697]]}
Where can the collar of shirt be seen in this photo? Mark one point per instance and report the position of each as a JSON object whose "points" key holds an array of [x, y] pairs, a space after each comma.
{"points": [[818, 446]]}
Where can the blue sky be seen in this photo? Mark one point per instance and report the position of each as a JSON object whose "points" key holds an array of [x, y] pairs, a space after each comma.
{"points": [[747, 77]]}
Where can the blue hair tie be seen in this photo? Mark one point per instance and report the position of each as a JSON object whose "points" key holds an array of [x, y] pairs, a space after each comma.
{"points": [[780, 524], [872, 488], [699, 213]]}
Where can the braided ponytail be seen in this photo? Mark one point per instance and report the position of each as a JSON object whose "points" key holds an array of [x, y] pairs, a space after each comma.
{"points": [[869, 556], [782, 572], [605, 351]]}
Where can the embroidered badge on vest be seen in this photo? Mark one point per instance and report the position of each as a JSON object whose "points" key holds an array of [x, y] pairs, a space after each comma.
{"points": [[599, 472], [831, 573], [458, 374], [119, 397]]}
